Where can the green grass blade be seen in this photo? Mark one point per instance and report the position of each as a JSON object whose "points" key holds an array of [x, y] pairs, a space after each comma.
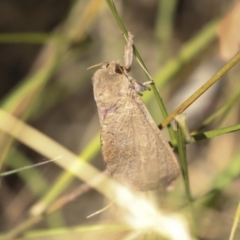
{"points": [[214, 133]]}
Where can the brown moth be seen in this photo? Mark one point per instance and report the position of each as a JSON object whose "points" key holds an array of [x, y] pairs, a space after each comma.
{"points": [[134, 149]]}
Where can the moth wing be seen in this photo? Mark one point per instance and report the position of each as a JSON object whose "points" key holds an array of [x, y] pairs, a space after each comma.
{"points": [[134, 149]]}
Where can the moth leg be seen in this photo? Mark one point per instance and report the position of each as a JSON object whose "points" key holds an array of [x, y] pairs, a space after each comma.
{"points": [[139, 87], [128, 53], [147, 82]]}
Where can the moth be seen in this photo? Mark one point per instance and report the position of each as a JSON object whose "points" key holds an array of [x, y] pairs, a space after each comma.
{"points": [[133, 148]]}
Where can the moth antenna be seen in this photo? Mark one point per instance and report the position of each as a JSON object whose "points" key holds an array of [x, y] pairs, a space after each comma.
{"points": [[97, 65]]}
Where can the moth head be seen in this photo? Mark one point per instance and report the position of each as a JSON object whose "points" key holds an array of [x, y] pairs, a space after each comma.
{"points": [[114, 68]]}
